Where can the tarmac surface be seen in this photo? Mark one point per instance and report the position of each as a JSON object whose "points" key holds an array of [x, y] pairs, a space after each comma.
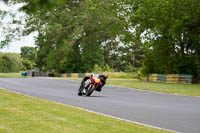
{"points": [[172, 112]]}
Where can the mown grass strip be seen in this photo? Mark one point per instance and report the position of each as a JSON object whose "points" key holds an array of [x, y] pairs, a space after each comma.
{"points": [[180, 89], [22, 114], [10, 75]]}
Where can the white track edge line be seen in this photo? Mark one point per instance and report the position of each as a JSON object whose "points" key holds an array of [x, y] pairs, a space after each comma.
{"points": [[134, 122]]}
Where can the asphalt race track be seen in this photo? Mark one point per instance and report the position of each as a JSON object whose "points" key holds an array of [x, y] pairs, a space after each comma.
{"points": [[177, 113]]}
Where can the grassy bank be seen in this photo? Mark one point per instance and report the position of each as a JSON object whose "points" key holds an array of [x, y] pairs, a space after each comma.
{"points": [[21, 114], [123, 75], [181, 89], [10, 75]]}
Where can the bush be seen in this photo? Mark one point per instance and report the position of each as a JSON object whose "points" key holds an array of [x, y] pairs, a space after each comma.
{"points": [[97, 69], [108, 69], [129, 68], [10, 62], [123, 75], [28, 64]]}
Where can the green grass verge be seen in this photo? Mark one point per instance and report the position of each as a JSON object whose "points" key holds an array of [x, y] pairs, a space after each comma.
{"points": [[10, 75], [22, 114], [123, 75], [181, 89]]}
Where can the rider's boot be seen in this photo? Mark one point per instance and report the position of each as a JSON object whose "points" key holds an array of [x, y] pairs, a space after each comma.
{"points": [[80, 90]]}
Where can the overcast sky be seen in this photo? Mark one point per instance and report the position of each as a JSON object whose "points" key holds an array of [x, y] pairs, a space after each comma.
{"points": [[16, 45]]}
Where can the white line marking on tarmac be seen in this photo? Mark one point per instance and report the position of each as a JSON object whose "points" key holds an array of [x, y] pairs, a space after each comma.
{"points": [[134, 122]]}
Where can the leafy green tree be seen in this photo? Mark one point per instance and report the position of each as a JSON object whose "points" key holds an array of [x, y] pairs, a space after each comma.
{"points": [[76, 35], [71, 36], [34, 5], [29, 56], [29, 53], [171, 33]]}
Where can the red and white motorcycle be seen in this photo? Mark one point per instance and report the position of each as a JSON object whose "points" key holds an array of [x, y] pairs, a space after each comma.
{"points": [[89, 86]]}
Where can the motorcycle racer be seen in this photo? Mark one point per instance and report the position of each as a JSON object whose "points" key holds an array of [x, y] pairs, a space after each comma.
{"points": [[102, 77]]}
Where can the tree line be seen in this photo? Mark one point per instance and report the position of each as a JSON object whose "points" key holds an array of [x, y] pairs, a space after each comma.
{"points": [[159, 36]]}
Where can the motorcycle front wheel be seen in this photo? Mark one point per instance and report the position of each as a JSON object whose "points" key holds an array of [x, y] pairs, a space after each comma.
{"points": [[90, 90]]}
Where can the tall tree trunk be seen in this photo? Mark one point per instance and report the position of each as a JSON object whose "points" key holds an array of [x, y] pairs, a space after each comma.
{"points": [[112, 57], [134, 57]]}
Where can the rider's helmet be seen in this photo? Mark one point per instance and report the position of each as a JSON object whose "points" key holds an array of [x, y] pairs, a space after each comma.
{"points": [[105, 75]]}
